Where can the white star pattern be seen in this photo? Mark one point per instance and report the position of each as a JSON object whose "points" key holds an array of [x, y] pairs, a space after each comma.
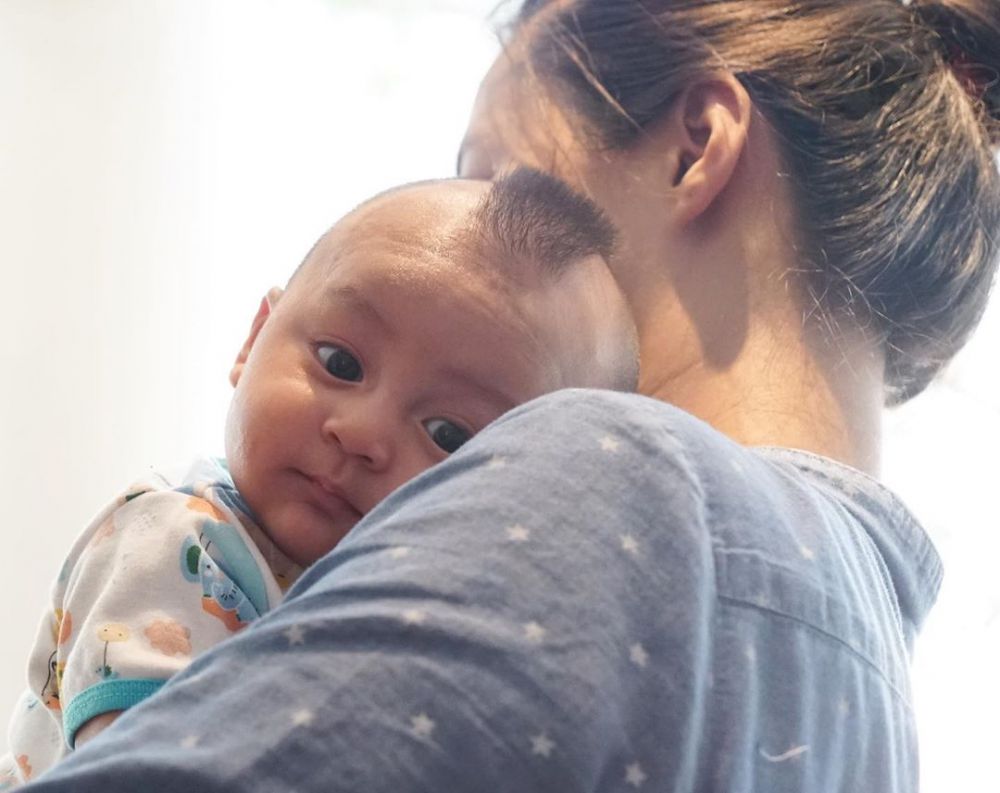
{"points": [[399, 553], [638, 655], [533, 632], [517, 533], [414, 616], [844, 707], [630, 545], [609, 444], [807, 553], [303, 718], [751, 653], [634, 775], [496, 462], [791, 754], [542, 745], [190, 741], [422, 725], [295, 635]]}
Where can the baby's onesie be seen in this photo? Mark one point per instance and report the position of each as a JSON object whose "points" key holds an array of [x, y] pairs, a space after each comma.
{"points": [[161, 574]]}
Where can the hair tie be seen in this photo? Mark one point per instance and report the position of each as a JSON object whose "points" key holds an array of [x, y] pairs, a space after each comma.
{"points": [[975, 78]]}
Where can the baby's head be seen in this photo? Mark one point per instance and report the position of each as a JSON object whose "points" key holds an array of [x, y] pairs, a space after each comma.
{"points": [[415, 321]]}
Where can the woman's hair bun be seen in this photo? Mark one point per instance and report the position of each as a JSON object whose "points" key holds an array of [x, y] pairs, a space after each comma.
{"points": [[970, 35]]}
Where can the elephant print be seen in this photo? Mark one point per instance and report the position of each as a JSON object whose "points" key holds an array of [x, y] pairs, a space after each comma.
{"points": [[221, 597]]}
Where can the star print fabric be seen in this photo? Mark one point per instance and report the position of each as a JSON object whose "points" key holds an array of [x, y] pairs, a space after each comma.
{"points": [[597, 593]]}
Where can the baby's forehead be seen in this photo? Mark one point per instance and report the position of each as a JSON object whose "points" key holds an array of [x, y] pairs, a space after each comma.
{"points": [[523, 256], [421, 213], [428, 231]]}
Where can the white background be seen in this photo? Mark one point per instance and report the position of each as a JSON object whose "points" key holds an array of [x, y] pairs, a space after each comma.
{"points": [[162, 163]]}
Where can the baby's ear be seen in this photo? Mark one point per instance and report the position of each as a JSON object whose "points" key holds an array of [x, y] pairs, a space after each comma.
{"points": [[268, 303]]}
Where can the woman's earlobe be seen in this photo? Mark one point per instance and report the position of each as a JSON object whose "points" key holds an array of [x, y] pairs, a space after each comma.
{"points": [[267, 304]]}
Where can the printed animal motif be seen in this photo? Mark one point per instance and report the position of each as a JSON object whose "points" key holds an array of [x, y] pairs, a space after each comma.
{"points": [[221, 597], [61, 626], [53, 683], [230, 552]]}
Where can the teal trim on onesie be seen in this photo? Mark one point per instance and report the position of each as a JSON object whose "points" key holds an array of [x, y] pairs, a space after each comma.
{"points": [[105, 696]]}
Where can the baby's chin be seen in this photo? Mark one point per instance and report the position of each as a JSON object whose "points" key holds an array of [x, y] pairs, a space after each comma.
{"points": [[306, 533]]}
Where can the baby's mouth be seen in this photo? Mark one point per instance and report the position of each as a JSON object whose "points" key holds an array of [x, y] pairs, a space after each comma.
{"points": [[333, 498]]}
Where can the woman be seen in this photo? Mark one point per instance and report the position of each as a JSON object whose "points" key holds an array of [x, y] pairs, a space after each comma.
{"points": [[603, 592], [850, 181]]}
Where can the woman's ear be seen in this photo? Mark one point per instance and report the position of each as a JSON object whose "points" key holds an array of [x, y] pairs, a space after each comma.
{"points": [[267, 305], [711, 123]]}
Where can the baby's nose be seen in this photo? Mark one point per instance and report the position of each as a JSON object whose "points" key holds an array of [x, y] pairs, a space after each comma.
{"points": [[361, 435]]}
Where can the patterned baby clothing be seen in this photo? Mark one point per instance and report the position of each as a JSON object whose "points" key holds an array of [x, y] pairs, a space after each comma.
{"points": [[160, 575]]}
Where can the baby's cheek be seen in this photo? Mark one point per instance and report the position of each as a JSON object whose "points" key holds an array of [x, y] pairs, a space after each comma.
{"points": [[409, 468]]}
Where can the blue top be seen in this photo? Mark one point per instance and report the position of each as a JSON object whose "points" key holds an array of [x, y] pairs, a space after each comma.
{"points": [[598, 593]]}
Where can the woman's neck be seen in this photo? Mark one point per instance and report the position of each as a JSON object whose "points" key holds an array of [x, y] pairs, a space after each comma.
{"points": [[728, 330], [765, 380]]}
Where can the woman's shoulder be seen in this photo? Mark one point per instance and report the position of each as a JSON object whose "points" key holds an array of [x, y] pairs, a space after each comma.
{"points": [[778, 531], [765, 512], [576, 415], [580, 421], [630, 435]]}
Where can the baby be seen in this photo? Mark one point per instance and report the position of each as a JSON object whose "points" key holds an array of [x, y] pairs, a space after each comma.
{"points": [[413, 323]]}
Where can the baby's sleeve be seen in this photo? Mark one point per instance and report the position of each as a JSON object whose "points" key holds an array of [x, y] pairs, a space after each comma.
{"points": [[157, 579], [35, 740]]}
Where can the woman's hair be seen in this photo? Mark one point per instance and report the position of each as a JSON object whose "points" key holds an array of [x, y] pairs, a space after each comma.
{"points": [[886, 113]]}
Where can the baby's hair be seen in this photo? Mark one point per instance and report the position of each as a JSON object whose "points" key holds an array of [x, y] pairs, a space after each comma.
{"points": [[533, 216], [530, 216], [537, 222]]}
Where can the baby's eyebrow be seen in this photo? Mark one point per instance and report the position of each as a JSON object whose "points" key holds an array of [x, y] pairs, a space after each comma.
{"points": [[355, 299], [484, 386]]}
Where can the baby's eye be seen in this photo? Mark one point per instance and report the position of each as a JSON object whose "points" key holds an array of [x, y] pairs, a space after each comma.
{"points": [[340, 363], [448, 436]]}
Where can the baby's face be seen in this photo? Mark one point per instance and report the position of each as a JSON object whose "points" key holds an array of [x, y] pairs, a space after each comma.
{"points": [[383, 356]]}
